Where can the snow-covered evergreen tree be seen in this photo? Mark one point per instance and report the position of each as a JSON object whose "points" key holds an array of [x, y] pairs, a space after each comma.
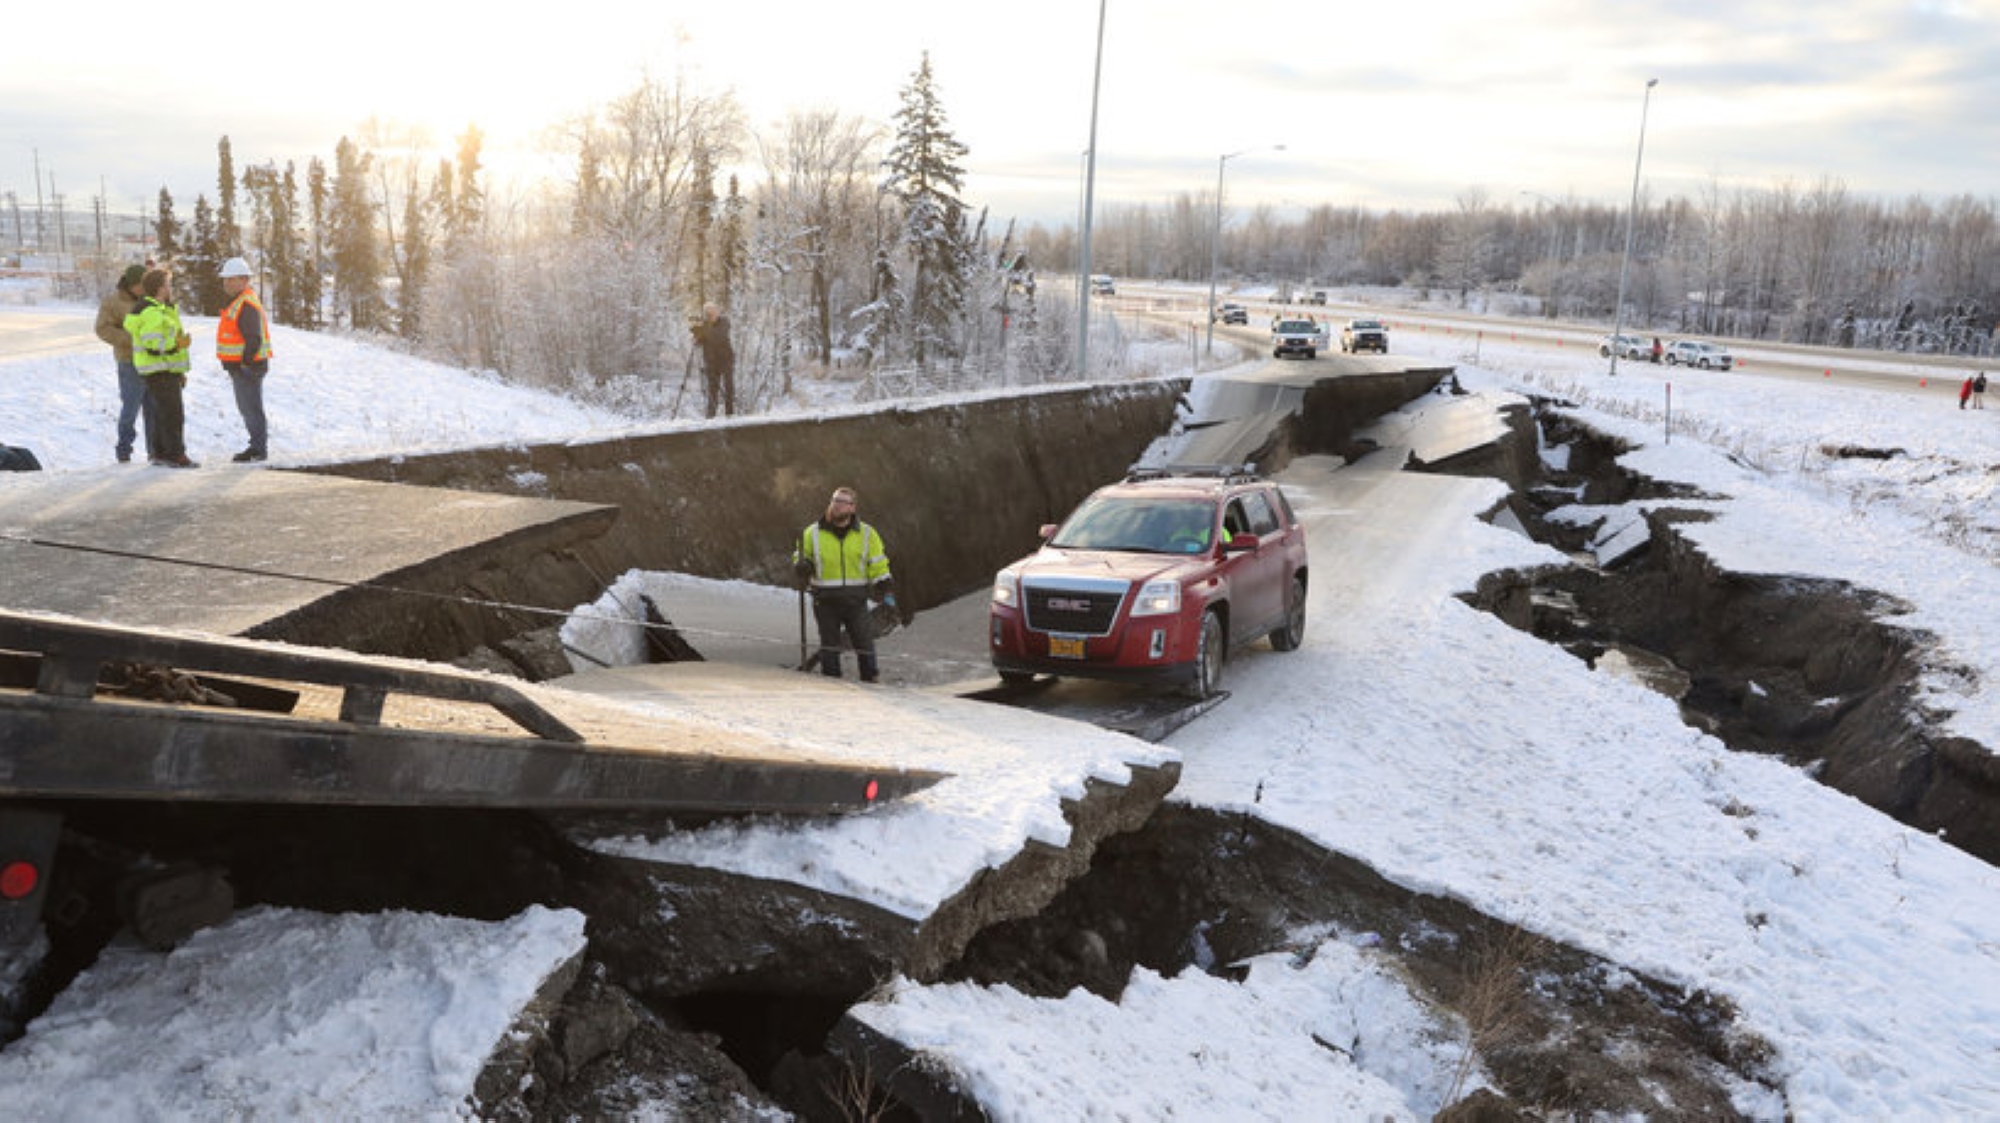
{"points": [[413, 266], [285, 257], [357, 268], [167, 229], [924, 177], [312, 292], [228, 238], [198, 287]]}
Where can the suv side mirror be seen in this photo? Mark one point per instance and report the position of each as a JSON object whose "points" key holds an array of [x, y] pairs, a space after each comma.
{"points": [[1241, 543], [1047, 531]]}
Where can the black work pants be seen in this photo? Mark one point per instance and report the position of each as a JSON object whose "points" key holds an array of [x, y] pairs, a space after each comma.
{"points": [[169, 419], [833, 610]]}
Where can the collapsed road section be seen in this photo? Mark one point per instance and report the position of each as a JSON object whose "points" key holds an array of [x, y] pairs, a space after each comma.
{"points": [[688, 914], [1814, 671]]}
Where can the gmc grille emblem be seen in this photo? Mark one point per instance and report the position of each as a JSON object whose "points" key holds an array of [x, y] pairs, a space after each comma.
{"points": [[1069, 604]]}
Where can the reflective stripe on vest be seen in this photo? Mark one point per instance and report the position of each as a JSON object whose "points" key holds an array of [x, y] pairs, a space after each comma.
{"points": [[873, 565], [229, 333]]}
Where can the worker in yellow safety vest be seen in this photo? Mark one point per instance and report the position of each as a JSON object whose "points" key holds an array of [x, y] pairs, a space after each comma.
{"points": [[243, 344], [160, 353], [843, 561]]}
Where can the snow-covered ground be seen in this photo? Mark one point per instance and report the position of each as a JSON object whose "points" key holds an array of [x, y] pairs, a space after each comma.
{"points": [[1477, 763]]}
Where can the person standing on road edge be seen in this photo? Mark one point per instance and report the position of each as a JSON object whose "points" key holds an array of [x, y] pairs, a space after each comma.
{"points": [[160, 353], [842, 560], [133, 406], [243, 343], [1979, 391], [718, 360], [1965, 392]]}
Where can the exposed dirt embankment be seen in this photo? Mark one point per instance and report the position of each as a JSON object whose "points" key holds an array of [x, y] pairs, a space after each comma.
{"points": [[951, 486]]}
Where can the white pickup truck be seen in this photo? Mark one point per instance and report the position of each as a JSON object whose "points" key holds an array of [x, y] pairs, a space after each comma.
{"points": [[1291, 335]]}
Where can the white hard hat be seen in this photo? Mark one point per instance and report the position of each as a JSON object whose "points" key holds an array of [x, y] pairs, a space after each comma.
{"points": [[235, 267]]}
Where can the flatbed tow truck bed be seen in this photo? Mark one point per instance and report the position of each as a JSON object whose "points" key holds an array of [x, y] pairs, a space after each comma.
{"points": [[313, 726]]}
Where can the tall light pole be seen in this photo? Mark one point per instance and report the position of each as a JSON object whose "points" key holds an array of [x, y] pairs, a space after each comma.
{"points": [[1215, 237], [1089, 195], [1625, 266]]}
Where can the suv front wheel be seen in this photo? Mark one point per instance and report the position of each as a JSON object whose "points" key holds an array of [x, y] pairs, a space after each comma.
{"points": [[1208, 657]]}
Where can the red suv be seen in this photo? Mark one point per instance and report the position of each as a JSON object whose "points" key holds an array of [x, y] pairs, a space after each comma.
{"points": [[1155, 579]]}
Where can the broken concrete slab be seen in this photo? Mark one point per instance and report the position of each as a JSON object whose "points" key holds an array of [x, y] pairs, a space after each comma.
{"points": [[275, 554], [829, 905]]}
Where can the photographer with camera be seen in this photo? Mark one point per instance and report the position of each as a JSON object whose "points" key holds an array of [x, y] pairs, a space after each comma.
{"points": [[718, 359]]}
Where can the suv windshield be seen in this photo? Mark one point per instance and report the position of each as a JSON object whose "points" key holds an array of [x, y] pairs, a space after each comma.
{"points": [[1152, 526]]}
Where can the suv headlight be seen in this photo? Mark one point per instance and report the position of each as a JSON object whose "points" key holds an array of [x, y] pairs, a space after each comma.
{"points": [[1158, 598], [1006, 589]]}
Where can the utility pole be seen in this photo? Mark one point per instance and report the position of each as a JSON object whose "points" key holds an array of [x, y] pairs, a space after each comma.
{"points": [[38, 200], [1089, 195]]}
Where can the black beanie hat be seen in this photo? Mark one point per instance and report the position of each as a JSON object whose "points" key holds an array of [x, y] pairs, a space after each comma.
{"points": [[132, 276]]}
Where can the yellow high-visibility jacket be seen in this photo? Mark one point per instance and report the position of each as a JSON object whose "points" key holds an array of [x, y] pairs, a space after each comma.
{"points": [[850, 559], [156, 338]]}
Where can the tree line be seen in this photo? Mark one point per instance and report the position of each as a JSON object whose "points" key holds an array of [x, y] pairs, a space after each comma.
{"points": [[1796, 264], [853, 255]]}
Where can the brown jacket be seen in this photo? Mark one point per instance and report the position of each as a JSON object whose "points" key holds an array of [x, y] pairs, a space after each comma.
{"points": [[111, 323]]}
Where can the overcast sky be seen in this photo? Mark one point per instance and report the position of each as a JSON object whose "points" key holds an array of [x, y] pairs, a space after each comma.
{"points": [[1407, 105]]}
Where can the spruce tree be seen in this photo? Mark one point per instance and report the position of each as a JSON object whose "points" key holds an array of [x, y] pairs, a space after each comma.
{"points": [[201, 290], [698, 273], [357, 268], [312, 292], [286, 264], [260, 184], [469, 213], [924, 176], [229, 240], [166, 230], [415, 263]]}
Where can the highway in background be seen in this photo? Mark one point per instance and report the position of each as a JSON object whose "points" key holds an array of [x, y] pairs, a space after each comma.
{"points": [[1877, 370]]}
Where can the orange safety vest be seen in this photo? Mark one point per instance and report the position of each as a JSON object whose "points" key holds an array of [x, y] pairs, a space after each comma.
{"points": [[229, 334]]}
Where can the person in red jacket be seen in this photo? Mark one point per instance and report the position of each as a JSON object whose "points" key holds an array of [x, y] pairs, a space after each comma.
{"points": [[1965, 392]]}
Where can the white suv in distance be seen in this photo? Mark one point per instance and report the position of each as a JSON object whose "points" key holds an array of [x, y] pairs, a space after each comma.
{"points": [[1699, 354], [1629, 347]]}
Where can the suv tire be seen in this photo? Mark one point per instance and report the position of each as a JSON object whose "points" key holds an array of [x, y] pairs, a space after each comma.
{"points": [[1209, 653], [1288, 635]]}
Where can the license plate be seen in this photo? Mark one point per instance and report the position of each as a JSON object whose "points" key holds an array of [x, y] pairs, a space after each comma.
{"points": [[1066, 647]]}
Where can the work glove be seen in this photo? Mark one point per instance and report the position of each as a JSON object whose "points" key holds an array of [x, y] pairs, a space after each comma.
{"points": [[803, 570], [885, 591]]}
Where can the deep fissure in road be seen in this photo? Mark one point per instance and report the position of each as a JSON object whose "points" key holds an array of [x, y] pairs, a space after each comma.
{"points": [[1814, 671]]}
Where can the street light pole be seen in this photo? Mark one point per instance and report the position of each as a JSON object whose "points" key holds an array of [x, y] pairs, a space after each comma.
{"points": [[1089, 198], [1625, 266], [1215, 237]]}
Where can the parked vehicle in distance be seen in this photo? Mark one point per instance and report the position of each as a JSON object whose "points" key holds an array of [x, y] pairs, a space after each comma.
{"points": [[1101, 285], [1157, 578], [1316, 296], [1700, 354], [1294, 336], [1232, 314], [1628, 347], [1364, 335]]}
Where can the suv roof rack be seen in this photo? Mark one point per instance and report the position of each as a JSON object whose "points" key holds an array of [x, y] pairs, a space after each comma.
{"points": [[1227, 473]]}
